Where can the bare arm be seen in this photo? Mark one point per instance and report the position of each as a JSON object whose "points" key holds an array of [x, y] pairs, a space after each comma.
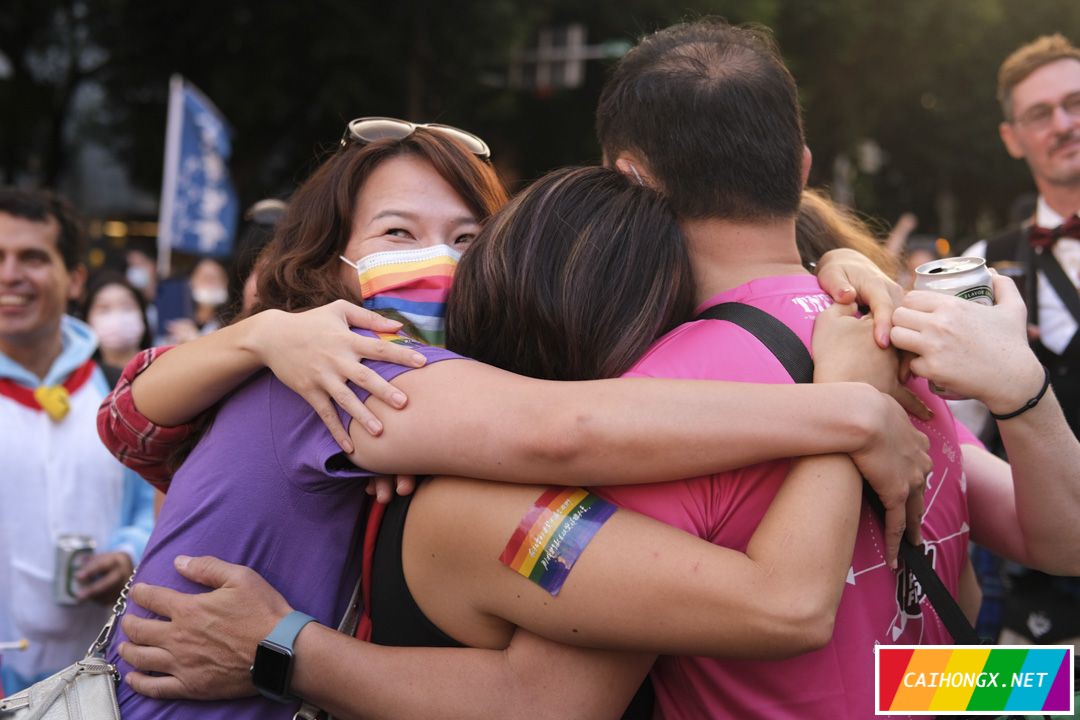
{"points": [[778, 599], [355, 679], [185, 382], [484, 422], [532, 679], [1024, 510], [844, 350], [1026, 513], [523, 430], [640, 585]]}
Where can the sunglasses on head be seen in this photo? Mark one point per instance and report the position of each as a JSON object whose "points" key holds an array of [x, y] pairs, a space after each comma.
{"points": [[369, 129]]}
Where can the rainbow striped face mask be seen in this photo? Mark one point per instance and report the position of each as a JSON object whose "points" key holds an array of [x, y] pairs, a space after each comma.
{"points": [[410, 286]]}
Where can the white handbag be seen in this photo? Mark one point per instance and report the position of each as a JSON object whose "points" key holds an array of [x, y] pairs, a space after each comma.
{"points": [[85, 690]]}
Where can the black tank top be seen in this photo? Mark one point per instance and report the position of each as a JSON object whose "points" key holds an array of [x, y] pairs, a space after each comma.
{"points": [[396, 619]]}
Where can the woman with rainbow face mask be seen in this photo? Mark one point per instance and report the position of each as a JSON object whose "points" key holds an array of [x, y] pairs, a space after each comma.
{"points": [[268, 487]]}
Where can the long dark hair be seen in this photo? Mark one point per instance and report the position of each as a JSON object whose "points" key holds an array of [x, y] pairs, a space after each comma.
{"points": [[573, 280]]}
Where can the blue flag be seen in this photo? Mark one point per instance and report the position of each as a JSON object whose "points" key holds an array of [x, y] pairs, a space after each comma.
{"points": [[199, 207]]}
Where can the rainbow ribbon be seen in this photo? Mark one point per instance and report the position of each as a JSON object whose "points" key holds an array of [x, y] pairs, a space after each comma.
{"points": [[552, 535], [974, 680]]}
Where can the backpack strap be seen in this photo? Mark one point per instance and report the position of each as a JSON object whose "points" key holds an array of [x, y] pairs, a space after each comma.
{"points": [[777, 337], [782, 342]]}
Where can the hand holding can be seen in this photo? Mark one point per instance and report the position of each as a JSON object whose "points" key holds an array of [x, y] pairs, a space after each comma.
{"points": [[73, 551], [966, 278], [975, 351]]}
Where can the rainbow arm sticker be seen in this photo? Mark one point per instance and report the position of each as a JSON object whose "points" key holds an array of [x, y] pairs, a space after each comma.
{"points": [[552, 535]]}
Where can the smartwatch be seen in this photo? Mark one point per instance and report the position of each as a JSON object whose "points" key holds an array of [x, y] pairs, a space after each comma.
{"points": [[272, 671]]}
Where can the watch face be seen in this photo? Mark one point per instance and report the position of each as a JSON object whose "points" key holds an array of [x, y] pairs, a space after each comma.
{"points": [[270, 673]]}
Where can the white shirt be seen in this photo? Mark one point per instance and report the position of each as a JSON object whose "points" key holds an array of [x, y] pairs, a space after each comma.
{"points": [[1056, 324]]}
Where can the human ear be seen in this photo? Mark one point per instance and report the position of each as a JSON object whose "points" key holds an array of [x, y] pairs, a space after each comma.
{"points": [[1012, 143], [807, 162], [631, 165], [76, 281]]}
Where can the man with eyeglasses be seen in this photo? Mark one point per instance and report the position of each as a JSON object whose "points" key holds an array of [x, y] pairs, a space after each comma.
{"points": [[1039, 92]]}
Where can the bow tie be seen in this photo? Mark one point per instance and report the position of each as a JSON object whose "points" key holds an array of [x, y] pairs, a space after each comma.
{"points": [[1040, 237]]}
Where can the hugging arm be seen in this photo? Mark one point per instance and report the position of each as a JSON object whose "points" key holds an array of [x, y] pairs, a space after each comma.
{"points": [[532, 679], [776, 600], [1024, 510], [483, 422], [479, 421], [193, 376]]}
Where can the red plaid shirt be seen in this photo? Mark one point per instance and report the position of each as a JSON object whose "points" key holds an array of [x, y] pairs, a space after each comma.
{"points": [[137, 442]]}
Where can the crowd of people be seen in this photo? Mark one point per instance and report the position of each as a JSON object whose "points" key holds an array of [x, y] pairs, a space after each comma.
{"points": [[517, 439]]}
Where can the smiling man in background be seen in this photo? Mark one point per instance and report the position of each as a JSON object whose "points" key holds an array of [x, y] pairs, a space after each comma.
{"points": [[57, 478]]}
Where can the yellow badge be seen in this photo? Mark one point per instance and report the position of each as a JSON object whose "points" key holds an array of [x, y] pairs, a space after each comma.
{"points": [[54, 400]]}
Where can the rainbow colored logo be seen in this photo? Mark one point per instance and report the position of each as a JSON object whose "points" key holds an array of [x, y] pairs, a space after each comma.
{"points": [[974, 679]]}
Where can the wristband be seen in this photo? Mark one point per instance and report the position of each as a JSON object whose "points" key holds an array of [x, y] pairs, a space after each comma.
{"points": [[1030, 403], [271, 672]]}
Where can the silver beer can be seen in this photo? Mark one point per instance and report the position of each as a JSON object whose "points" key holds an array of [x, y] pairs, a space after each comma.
{"points": [[72, 552], [966, 278]]}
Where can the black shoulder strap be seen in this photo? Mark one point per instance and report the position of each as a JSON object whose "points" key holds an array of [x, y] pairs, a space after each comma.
{"points": [[777, 337], [1005, 246], [782, 342], [1070, 297]]}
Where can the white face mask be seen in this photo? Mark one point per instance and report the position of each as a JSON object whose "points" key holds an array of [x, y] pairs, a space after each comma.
{"points": [[138, 276], [211, 296], [119, 329]]}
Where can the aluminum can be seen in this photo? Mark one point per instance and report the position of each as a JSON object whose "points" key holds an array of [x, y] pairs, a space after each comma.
{"points": [[966, 278], [72, 552]]}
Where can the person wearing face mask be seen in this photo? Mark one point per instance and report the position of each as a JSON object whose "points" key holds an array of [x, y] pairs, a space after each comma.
{"points": [[141, 274], [116, 312], [209, 283]]}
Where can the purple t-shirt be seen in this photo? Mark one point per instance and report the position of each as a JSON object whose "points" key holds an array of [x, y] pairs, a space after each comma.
{"points": [[266, 487]]}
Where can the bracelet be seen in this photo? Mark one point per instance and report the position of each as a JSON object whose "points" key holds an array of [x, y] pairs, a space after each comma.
{"points": [[1030, 403]]}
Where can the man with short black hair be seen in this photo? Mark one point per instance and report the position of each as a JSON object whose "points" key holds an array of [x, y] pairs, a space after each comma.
{"points": [[58, 478], [708, 114]]}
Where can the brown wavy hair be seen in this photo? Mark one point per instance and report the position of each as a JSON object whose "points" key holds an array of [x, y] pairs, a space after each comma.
{"points": [[823, 225], [573, 280], [300, 265]]}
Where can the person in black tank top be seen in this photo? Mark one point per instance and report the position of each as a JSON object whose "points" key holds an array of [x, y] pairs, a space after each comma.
{"points": [[396, 619]]}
